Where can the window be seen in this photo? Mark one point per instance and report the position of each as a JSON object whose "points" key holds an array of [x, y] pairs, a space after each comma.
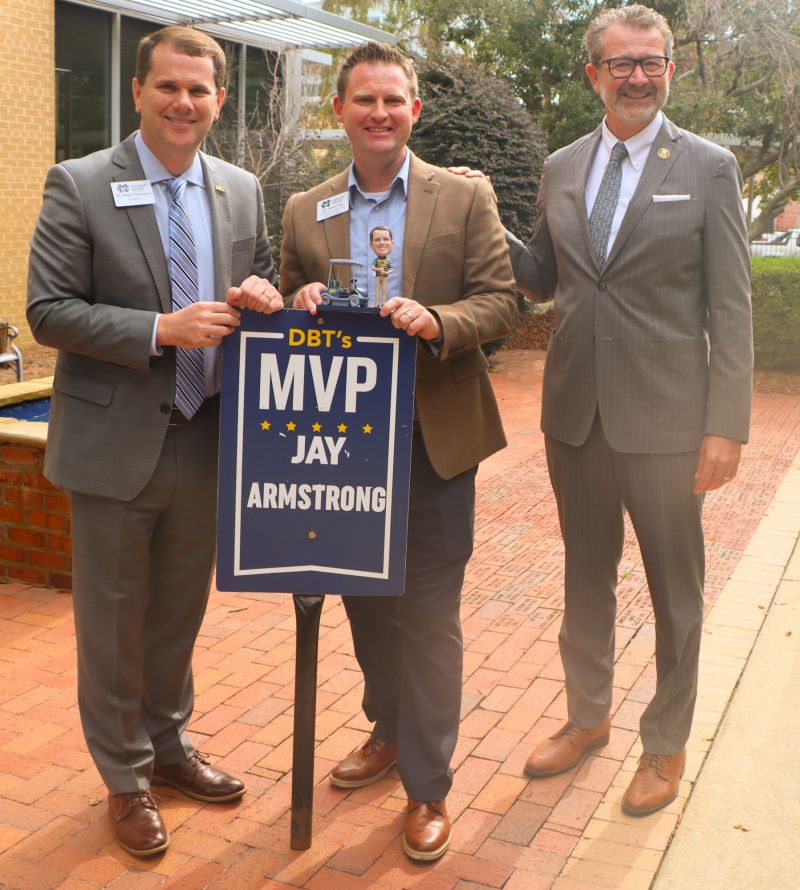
{"points": [[83, 77]]}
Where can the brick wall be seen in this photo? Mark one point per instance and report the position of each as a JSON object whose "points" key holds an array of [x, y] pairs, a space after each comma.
{"points": [[27, 140], [35, 542]]}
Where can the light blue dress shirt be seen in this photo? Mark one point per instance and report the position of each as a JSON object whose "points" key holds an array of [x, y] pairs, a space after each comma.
{"points": [[367, 211], [196, 204]]}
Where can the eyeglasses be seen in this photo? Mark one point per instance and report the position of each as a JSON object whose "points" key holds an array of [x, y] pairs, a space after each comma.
{"points": [[622, 67]]}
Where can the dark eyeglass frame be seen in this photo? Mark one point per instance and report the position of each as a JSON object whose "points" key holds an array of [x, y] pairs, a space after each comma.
{"points": [[663, 60]]}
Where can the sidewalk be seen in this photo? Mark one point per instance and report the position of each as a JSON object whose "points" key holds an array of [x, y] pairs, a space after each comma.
{"points": [[564, 832]]}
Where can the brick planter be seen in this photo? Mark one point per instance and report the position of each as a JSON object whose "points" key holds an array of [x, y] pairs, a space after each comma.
{"points": [[35, 541]]}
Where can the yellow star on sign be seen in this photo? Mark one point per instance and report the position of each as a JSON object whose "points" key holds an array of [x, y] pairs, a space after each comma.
{"points": [[367, 428], [291, 426], [264, 424], [316, 427], [342, 428]]}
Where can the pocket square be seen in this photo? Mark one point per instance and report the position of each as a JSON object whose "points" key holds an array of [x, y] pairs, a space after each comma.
{"points": [[665, 198]]}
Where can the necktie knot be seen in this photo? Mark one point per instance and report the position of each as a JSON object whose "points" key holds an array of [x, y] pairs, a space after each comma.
{"points": [[178, 186], [618, 153]]}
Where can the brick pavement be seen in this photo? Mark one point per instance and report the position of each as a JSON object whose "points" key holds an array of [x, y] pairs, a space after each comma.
{"points": [[562, 832]]}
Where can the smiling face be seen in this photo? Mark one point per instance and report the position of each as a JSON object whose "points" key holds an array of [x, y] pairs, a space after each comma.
{"points": [[377, 113], [381, 242], [632, 102], [178, 102]]}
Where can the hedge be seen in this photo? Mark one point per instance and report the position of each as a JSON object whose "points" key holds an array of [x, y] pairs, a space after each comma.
{"points": [[776, 313]]}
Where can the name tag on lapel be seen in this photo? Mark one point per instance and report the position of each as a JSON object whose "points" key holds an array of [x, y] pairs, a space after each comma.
{"points": [[333, 206], [132, 193], [659, 199]]}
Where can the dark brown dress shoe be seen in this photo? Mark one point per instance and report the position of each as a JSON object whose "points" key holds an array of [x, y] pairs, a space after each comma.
{"points": [[427, 833], [655, 783], [365, 765], [196, 778], [567, 748], [137, 823]]}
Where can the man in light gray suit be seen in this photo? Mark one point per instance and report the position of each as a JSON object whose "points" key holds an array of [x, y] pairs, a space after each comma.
{"points": [[130, 275], [641, 240]]}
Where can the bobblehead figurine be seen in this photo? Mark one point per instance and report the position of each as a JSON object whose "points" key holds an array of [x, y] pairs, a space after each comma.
{"points": [[380, 240]]}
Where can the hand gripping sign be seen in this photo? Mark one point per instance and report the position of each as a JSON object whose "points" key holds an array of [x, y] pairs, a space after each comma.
{"points": [[315, 454]]}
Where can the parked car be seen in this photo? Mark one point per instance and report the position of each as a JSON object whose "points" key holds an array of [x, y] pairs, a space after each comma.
{"points": [[785, 244]]}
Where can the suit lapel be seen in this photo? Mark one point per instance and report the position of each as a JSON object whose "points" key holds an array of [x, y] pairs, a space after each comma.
{"points": [[423, 192], [143, 220], [655, 171], [219, 205], [337, 228]]}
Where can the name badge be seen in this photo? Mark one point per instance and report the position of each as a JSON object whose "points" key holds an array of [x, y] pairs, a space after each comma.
{"points": [[132, 193], [333, 206]]}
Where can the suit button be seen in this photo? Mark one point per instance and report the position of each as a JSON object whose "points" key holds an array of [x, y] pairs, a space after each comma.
{"points": [[164, 408], [602, 286]]}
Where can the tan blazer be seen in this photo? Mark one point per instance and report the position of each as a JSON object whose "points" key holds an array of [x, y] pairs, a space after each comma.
{"points": [[455, 262]]}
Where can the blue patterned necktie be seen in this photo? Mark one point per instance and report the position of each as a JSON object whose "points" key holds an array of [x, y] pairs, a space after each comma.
{"points": [[605, 203], [189, 363]]}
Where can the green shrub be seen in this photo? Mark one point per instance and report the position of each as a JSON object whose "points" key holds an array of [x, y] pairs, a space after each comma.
{"points": [[776, 313]]}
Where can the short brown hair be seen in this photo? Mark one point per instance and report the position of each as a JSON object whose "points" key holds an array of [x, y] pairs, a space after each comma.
{"points": [[633, 16], [188, 41], [381, 229], [376, 53]]}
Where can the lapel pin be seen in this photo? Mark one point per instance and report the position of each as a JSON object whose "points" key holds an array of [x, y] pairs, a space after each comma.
{"points": [[663, 153], [221, 188]]}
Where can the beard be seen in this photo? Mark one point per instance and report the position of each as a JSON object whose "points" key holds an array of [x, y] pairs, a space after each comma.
{"points": [[638, 109]]}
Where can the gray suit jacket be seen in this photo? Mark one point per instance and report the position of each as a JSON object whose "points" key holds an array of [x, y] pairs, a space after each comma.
{"points": [[660, 340], [97, 275]]}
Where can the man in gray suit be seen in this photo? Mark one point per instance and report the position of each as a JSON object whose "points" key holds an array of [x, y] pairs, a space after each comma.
{"points": [[130, 275], [641, 240]]}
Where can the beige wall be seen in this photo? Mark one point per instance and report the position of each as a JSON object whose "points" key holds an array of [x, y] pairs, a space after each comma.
{"points": [[27, 140]]}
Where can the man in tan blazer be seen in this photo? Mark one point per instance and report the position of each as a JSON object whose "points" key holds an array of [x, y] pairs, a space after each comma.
{"points": [[452, 288], [647, 384]]}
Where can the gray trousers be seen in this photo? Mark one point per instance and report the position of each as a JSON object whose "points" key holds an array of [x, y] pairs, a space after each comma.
{"points": [[410, 648], [141, 577], [593, 485]]}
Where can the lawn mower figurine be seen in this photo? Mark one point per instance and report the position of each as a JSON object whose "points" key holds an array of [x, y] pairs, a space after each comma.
{"points": [[339, 296]]}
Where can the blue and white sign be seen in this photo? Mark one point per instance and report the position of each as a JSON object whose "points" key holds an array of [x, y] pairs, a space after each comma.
{"points": [[315, 454]]}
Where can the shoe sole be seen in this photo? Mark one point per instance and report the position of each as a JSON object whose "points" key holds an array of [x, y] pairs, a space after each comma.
{"points": [[631, 811], [425, 856], [206, 798], [142, 854], [592, 746], [360, 783]]}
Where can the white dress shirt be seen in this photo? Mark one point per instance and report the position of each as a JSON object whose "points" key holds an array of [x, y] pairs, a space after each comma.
{"points": [[638, 149]]}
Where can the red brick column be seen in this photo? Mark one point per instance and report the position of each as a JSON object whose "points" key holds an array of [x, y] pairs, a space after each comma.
{"points": [[35, 542]]}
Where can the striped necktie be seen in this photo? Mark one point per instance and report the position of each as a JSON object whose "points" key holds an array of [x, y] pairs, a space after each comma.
{"points": [[189, 363], [605, 204]]}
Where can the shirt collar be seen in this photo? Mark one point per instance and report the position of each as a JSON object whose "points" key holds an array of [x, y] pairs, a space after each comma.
{"points": [[155, 171], [402, 177], [639, 145]]}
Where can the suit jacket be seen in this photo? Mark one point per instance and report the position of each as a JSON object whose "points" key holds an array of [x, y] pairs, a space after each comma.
{"points": [[455, 262], [97, 275], [660, 340]]}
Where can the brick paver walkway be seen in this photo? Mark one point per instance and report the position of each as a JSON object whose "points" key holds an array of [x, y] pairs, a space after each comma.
{"points": [[562, 832]]}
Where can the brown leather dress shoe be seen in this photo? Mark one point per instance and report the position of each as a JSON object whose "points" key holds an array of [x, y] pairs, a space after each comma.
{"points": [[655, 783], [137, 823], [196, 778], [567, 748], [427, 833], [365, 765]]}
